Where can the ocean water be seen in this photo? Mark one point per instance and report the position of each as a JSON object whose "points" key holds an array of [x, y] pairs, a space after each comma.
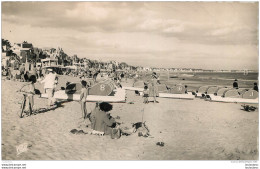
{"points": [[210, 78], [228, 76]]}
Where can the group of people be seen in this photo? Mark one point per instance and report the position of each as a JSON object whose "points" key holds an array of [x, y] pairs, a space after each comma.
{"points": [[235, 85], [100, 118], [50, 82]]}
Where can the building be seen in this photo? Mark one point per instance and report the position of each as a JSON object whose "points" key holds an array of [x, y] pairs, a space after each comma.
{"points": [[49, 62], [19, 48]]}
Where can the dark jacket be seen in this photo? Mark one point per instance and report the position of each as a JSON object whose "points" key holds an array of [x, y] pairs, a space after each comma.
{"points": [[256, 88], [235, 85], [100, 121]]}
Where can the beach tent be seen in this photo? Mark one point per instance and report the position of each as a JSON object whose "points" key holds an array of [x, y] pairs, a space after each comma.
{"points": [[169, 84], [162, 88], [250, 94], [101, 89], [231, 93], [212, 89], [178, 89], [221, 91], [202, 89], [241, 91]]}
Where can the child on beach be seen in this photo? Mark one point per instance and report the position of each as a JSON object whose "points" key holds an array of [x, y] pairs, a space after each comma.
{"points": [[146, 92], [30, 91], [83, 96]]}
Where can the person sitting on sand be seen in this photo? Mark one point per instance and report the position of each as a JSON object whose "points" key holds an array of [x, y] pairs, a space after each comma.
{"points": [[146, 94], [83, 96], [235, 84], [255, 87], [30, 90], [101, 120]]}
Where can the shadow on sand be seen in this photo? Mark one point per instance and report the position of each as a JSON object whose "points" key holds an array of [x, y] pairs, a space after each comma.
{"points": [[44, 110]]}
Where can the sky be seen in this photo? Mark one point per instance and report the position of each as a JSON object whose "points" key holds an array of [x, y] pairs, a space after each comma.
{"points": [[203, 35]]}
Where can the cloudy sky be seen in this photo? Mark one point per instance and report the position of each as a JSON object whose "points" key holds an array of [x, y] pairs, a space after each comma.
{"points": [[206, 35]]}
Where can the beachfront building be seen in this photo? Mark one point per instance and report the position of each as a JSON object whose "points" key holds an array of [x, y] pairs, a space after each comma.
{"points": [[20, 48], [49, 62]]}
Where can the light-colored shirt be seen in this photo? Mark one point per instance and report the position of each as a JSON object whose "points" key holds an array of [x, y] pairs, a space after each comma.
{"points": [[49, 81]]}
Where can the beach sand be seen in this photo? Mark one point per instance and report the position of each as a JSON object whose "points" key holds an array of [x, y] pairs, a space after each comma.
{"points": [[190, 129]]}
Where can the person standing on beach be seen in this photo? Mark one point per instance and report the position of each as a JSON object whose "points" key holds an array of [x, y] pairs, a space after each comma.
{"points": [[153, 89], [146, 95], [83, 96], [126, 76], [30, 93], [38, 72], [235, 84], [22, 70], [49, 86]]}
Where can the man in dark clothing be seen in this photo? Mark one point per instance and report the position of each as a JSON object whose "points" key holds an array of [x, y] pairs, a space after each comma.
{"points": [[235, 85], [255, 87]]}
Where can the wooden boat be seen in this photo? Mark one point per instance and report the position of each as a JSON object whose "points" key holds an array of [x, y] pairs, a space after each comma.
{"points": [[232, 96]]}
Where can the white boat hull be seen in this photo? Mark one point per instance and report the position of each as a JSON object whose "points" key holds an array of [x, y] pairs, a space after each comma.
{"points": [[177, 96], [233, 100], [133, 88], [164, 95], [120, 96]]}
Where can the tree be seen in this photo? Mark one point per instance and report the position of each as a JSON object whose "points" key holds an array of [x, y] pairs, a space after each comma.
{"points": [[7, 44]]}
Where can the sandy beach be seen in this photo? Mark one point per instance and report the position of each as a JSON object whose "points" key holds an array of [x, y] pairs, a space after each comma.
{"points": [[190, 129]]}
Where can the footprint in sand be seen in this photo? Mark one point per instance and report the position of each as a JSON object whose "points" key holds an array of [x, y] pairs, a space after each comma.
{"points": [[13, 127]]}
